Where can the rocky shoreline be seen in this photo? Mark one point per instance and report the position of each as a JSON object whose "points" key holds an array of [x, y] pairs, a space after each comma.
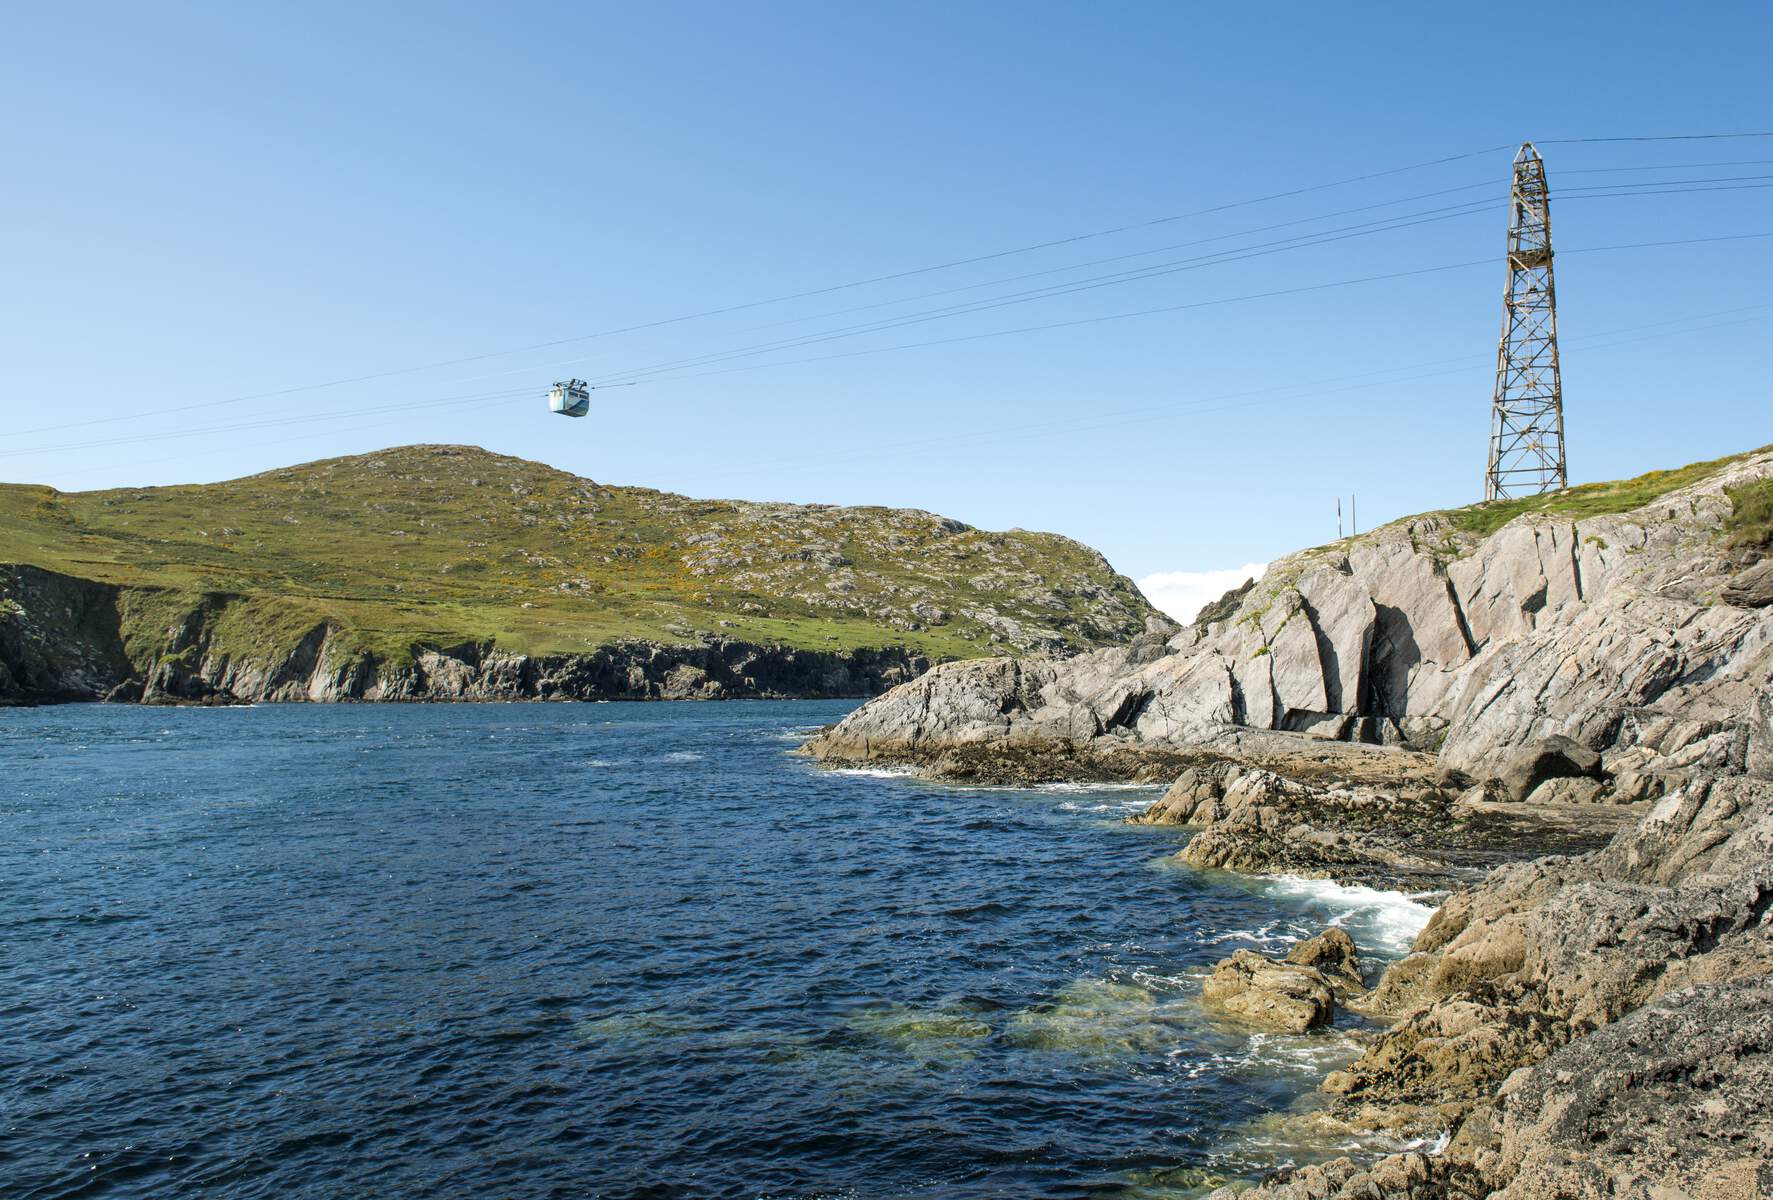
{"points": [[1564, 728], [1596, 1025]]}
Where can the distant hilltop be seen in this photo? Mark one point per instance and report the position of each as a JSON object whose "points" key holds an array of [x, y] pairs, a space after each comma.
{"points": [[450, 572]]}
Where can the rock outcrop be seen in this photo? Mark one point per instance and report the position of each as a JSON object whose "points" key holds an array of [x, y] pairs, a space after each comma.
{"points": [[1617, 632], [1334, 955], [1588, 1027], [1293, 995], [1267, 994]]}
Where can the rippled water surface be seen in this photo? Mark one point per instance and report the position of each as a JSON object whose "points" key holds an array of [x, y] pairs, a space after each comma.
{"points": [[603, 950]]}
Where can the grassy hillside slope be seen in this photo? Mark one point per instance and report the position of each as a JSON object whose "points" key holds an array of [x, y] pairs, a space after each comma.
{"points": [[444, 544]]}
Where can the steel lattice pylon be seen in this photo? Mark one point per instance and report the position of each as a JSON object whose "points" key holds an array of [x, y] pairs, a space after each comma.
{"points": [[1527, 415]]}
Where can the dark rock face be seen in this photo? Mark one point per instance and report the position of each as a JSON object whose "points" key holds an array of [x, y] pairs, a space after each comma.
{"points": [[61, 639], [1553, 758], [1224, 606]]}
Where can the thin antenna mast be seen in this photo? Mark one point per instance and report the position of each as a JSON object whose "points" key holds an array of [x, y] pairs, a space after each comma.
{"points": [[1527, 413]]}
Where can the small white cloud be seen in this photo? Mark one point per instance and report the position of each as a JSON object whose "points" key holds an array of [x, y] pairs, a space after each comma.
{"points": [[1182, 594]]}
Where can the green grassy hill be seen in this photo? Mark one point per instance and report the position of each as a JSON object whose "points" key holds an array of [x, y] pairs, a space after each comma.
{"points": [[440, 545]]}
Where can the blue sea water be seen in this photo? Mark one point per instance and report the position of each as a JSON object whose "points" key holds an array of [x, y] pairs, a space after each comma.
{"points": [[606, 950]]}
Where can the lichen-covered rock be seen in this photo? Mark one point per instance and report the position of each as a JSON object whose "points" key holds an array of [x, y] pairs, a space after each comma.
{"points": [[1580, 1028], [1669, 1101], [1751, 588], [1410, 1176]]}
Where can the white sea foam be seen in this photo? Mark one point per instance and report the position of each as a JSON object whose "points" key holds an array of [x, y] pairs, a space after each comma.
{"points": [[875, 772], [684, 756], [1435, 1145], [1153, 788], [1303, 1056], [797, 734], [1275, 935], [1378, 920], [1121, 808]]}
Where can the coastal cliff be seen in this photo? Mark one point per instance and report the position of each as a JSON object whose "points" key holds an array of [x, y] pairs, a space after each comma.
{"points": [[1557, 713], [73, 639], [1644, 632], [448, 572]]}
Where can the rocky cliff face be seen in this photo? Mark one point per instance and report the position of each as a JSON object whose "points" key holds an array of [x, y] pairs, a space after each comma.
{"points": [[1639, 634], [60, 637], [63, 638]]}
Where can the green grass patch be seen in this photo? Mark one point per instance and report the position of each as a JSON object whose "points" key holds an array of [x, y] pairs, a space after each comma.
{"points": [[1590, 499], [1750, 524], [440, 545]]}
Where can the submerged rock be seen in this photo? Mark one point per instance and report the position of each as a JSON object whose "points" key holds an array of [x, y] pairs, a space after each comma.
{"points": [[1098, 1018], [923, 1033]]}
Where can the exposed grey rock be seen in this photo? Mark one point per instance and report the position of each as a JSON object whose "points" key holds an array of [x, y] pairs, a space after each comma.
{"points": [[1752, 588], [1550, 758], [1601, 630], [1569, 790]]}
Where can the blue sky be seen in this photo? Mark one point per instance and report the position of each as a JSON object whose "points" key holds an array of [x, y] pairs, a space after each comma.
{"points": [[206, 202]]}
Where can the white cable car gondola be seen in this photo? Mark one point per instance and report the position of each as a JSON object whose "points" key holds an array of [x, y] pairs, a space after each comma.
{"points": [[571, 398]]}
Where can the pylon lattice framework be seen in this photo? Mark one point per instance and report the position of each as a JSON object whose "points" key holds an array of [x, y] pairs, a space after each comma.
{"points": [[1527, 415]]}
